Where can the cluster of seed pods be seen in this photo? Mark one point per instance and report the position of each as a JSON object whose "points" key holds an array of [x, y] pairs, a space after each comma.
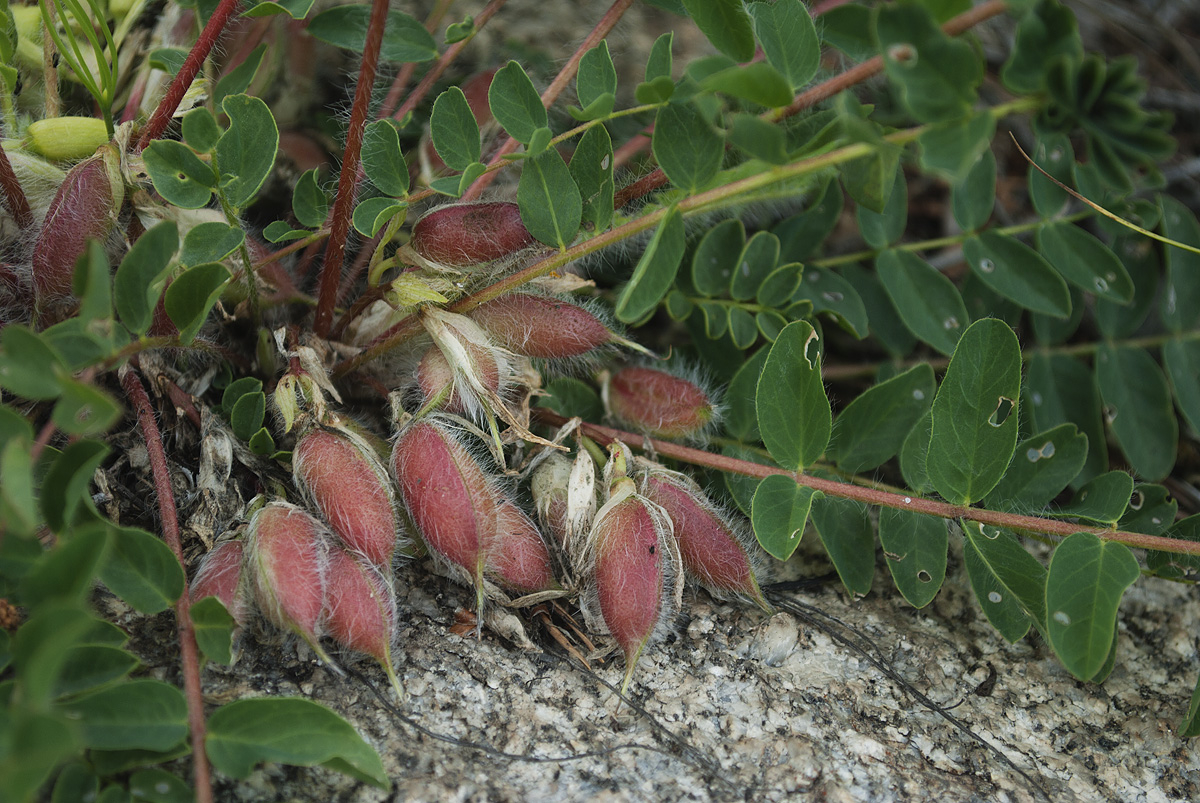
{"points": [[624, 543]]}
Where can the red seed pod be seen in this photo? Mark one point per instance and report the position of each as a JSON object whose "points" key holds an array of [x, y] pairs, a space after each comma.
{"points": [[220, 576], [287, 552], [85, 206], [435, 378], [360, 608], [714, 551], [460, 235], [340, 474], [658, 403], [447, 494], [518, 559], [542, 326], [635, 569]]}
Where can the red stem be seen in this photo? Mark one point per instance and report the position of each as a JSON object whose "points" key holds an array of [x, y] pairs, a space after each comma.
{"points": [[187, 635], [560, 82], [339, 229], [406, 71], [873, 496], [14, 196], [187, 73]]}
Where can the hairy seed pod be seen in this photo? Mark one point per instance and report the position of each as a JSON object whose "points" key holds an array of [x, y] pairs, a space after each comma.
{"points": [[460, 235], [715, 552], [477, 370], [549, 488], [85, 206], [220, 576], [448, 496], [635, 570], [360, 608], [541, 326], [518, 559], [339, 472], [435, 378], [288, 556], [66, 138], [658, 403]]}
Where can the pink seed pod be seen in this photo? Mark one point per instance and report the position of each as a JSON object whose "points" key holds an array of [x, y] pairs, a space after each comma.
{"points": [[435, 377], [340, 474], [658, 403], [714, 551], [518, 559], [448, 496], [86, 206], [542, 327], [635, 568], [360, 609], [477, 370], [287, 553], [220, 576], [461, 235]]}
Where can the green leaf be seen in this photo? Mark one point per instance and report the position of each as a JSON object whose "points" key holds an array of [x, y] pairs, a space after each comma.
{"points": [[200, 129], [247, 414], [261, 443], [884, 320], [872, 428], [741, 416], [1181, 358], [41, 648], [714, 259], [759, 139], [191, 296], [67, 572], [167, 59], [788, 38], [137, 714], [454, 186], [881, 229], [780, 287], [592, 169], [141, 570], [404, 38], [178, 174], [382, 160], [655, 271], [110, 762], [915, 547], [1008, 582], [793, 411], [755, 263], [832, 295], [310, 201], [1059, 390], [1086, 581], [92, 282], [1181, 300], [1052, 153], [551, 206], [936, 74], [1045, 33], [238, 388], [953, 148], [84, 409], [18, 505], [214, 630], [212, 242], [75, 782], [238, 80], [658, 64], [90, 666], [975, 413], [159, 786], [716, 319], [845, 531], [570, 397], [1085, 261], [849, 29], [974, 197], [1190, 726], [1103, 499], [244, 733], [246, 151], [1137, 404], [757, 82], [1041, 468], [454, 130], [515, 104], [296, 9], [686, 146], [927, 302], [142, 274], [1017, 272], [373, 214], [459, 31], [1140, 257], [779, 512], [45, 741], [726, 24], [597, 77], [277, 232], [801, 235], [66, 484]]}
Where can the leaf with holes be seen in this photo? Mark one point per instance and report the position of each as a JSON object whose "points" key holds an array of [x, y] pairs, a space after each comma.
{"points": [[1059, 390], [1017, 272], [779, 512], [793, 410], [1087, 578], [835, 297], [1085, 262], [1041, 468], [756, 262], [915, 546], [975, 413], [1181, 301], [927, 302], [935, 73], [1008, 582], [592, 168]]}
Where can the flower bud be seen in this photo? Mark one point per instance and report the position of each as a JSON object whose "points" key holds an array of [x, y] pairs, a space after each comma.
{"points": [[472, 365], [66, 138], [220, 576], [435, 378], [287, 552], [341, 475], [360, 609], [549, 486], [658, 403], [714, 551], [517, 558], [461, 235], [541, 326]]}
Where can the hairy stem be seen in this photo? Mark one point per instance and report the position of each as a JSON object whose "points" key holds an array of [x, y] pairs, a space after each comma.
{"points": [[873, 496], [436, 15], [190, 654], [339, 228]]}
